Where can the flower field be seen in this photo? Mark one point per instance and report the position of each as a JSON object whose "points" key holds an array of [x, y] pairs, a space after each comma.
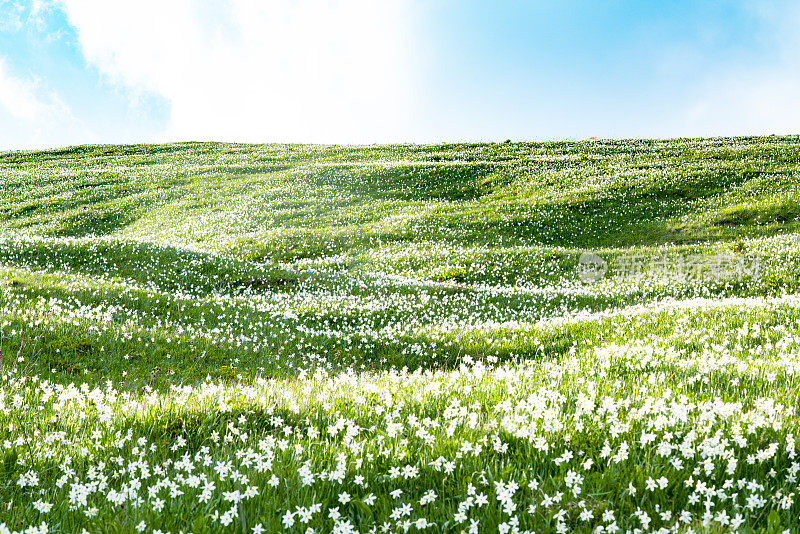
{"points": [[208, 337]]}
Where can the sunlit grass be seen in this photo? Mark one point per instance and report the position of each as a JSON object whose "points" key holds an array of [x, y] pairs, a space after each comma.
{"points": [[239, 338]]}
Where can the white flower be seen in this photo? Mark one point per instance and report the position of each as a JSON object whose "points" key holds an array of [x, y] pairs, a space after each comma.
{"points": [[429, 497], [42, 507], [157, 505]]}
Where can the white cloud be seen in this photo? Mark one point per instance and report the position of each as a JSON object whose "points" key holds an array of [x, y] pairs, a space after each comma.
{"points": [[33, 118], [17, 96], [755, 103], [754, 99], [254, 70]]}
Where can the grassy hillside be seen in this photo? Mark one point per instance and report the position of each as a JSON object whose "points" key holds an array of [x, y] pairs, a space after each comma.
{"points": [[213, 337]]}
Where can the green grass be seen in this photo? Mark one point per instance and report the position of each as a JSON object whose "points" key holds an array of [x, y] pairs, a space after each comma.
{"points": [[328, 315]]}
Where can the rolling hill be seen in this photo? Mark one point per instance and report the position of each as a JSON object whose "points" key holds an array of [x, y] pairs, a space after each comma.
{"points": [[207, 337]]}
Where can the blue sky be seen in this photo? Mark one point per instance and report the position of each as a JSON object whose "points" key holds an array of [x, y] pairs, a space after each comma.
{"points": [[361, 71]]}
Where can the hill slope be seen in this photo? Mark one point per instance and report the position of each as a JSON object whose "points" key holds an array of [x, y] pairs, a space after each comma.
{"points": [[298, 323]]}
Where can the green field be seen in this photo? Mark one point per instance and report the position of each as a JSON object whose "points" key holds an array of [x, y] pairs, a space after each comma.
{"points": [[206, 337]]}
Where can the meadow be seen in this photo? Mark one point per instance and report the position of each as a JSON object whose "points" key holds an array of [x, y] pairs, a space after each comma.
{"points": [[207, 337]]}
